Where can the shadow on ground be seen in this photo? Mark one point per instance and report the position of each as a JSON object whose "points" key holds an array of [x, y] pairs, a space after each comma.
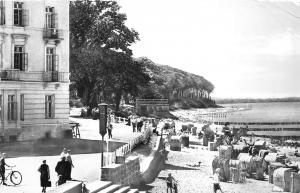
{"points": [[50, 147], [173, 167]]}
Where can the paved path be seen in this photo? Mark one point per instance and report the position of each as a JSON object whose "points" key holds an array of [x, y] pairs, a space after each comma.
{"points": [[87, 166], [89, 129]]}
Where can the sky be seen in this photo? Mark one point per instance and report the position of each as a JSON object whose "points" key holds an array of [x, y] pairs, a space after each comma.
{"points": [[246, 48]]}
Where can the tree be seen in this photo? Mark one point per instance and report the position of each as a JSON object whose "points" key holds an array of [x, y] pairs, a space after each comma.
{"points": [[101, 62], [174, 84]]}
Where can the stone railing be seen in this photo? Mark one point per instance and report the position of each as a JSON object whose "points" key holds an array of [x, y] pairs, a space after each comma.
{"points": [[111, 157], [52, 33], [33, 76], [10, 74], [126, 173], [53, 76]]}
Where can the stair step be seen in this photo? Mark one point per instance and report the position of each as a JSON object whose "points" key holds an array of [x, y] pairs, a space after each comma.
{"points": [[110, 189], [123, 190], [133, 191], [96, 186]]}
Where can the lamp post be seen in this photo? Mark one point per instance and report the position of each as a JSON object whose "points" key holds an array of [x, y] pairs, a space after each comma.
{"points": [[102, 125]]}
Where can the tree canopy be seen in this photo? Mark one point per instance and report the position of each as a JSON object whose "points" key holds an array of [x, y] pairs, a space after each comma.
{"points": [[100, 60], [166, 79], [101, 63]]}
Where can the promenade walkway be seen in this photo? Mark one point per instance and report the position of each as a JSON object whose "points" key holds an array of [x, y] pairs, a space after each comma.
{"points": [[87, 166]]}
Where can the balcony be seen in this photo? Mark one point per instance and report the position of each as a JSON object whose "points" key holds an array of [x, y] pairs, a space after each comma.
{"points": [[53, 34], [30, 76], [11, 74], [54, 76]]}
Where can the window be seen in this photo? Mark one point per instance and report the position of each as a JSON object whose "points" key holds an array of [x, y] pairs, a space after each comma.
{"points": [[20, 58], [22, 107], [20, 15], [51, 60], [2, 13], [49, 107], [50, 18], [12, 108]]}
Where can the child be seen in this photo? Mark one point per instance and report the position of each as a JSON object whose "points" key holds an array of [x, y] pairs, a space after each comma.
{"points": [[170, 181], [217, 181]]}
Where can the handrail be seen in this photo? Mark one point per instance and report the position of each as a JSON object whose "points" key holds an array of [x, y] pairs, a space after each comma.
{"points": [[125, 149]]}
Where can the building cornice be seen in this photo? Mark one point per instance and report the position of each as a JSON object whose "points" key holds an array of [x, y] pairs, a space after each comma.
{"points": [[2, 37], [18, 37]]}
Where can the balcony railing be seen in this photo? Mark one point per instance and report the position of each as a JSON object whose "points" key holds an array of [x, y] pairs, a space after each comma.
{"points": [[54, 76], [53, 33], [30, 76], [11, 74]]}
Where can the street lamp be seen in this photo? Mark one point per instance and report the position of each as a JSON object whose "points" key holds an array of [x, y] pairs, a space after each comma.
{"points": [[102, 125]]}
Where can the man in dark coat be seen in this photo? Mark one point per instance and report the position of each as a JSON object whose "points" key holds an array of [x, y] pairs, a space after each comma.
{"points": [[69, 165], [45, 175], [61, 170]]}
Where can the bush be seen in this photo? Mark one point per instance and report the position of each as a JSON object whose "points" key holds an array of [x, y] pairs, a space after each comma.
{"points": [[71, 104], [78, 104]]}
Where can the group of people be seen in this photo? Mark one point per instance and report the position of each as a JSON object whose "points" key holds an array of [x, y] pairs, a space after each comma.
{"points": [[137, 124], [63, 170]]}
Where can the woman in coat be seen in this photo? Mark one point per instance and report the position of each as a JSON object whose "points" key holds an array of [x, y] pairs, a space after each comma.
{"points": [[45, 175]]}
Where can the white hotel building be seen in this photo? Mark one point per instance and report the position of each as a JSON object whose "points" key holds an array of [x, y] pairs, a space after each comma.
{"points": [[34, 68]]}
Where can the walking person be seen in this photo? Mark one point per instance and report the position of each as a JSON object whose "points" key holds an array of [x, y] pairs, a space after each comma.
{"points": [[2, 167], [109, 130], [45, 175], [139, 125], [170, 181], [217, 181], [69, 166], [61, 170], [133, 121]]}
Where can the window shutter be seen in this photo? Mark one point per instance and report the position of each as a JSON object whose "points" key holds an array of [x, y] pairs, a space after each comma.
{"points": [[46, 107], [15, 111], [24, 61], [2, 14], [56, 60], [53, 106], [25, 17], [54, 22], [22, 107]]}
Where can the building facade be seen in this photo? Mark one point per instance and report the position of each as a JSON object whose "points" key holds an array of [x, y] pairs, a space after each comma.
{"points": [[145, 107], [34, 69]]}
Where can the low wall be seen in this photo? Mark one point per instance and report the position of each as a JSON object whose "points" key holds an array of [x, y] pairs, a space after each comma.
{"points": [[39, 131], [295, 186], [68, 187], [125, 174], [154, 163]]}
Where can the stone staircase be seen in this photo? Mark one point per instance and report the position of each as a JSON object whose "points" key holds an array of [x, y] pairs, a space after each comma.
{"points": [[108, 187], [93, 187]]}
